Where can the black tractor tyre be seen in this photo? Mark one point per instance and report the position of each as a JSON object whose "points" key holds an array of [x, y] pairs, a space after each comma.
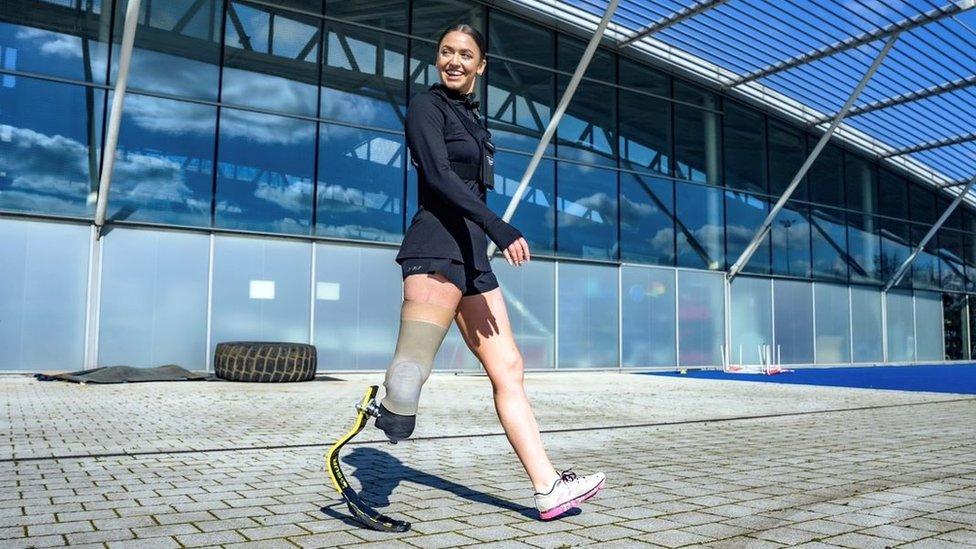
{"points": [[265, 362]]}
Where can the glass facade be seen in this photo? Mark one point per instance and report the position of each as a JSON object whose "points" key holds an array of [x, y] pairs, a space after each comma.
{"points": [[286, 120]]}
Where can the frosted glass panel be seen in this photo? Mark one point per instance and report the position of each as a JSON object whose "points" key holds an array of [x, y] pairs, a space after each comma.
{"points": [[701, 318], [587, 316], [928, 326], [358, 293], [261, 290], [43, 287], [530, 298], [154, 299], [833, 323], [648, 317], [793, 301], [752, 319], [901, 326], [866, 326]]}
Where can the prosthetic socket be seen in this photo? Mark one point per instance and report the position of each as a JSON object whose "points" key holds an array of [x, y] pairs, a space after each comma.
{"points": [[422, 330]]}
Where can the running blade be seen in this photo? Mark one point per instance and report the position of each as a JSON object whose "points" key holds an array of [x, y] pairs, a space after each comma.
{"points": [[369, 517]]}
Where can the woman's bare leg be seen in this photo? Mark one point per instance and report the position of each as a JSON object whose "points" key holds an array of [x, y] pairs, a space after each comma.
{"points": [[483, 321]]}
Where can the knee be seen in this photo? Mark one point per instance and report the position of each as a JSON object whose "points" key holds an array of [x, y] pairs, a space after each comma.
{"points": [[509, 374]]}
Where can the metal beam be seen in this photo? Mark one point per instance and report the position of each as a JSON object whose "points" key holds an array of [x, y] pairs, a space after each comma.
{"points": [[894, 29], [767, 223], [909, 97], [932, 145], [954, 184], [115, 116], [540, 149], [671, 20], [928, 236]]}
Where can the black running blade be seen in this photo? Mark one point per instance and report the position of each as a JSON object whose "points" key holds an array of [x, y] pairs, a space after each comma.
{"points": [[369, 517]]}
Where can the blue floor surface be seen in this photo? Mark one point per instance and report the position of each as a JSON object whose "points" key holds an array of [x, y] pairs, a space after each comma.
{"points": [[957, 378]]}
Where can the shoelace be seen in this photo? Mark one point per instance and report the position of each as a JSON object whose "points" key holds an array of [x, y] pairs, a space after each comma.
{"points": [[568, 476]]}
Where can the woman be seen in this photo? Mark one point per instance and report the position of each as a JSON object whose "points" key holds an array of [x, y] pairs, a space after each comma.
{"points": [[447, 276]]}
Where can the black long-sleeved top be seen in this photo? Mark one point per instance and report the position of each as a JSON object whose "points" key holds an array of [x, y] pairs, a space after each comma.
{"points": [[453, 217]]}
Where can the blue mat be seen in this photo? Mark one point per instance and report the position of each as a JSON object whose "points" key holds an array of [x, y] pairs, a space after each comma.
{"points": [[957, 378]]}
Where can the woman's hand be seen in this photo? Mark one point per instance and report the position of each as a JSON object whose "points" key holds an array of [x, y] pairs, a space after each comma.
{"points": [[517, 252]]}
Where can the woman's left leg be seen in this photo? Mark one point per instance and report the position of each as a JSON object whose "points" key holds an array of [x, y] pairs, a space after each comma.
{"points": [[483, 322]]}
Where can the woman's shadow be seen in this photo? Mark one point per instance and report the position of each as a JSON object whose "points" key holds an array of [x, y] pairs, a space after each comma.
{"points": [[379, 473]]}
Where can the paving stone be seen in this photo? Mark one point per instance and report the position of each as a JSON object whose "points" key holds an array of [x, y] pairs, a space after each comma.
{"points": [[329, 539], [210, 538], [442, 540], [674, 538]]}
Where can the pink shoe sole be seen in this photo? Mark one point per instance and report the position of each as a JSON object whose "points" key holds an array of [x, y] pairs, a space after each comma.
{"points": [[562, 508]]}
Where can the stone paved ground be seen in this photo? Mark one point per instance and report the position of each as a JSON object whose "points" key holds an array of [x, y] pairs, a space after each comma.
{"points": [[689, 462]]}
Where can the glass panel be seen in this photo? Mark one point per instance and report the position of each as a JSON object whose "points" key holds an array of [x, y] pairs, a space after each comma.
{"points": [[794, 321], [423, 73], [951, 267], [901, 326], [587, 212], [640, 76], [925, 267], [894, 251], [154, 299], [866, 325], [892, 195], [697, 154], [261, 290], [385, 14], [752, 320], [164, 165], [928, 326], [787, 151], [862, 185], [648, 304], [530, 299], [264, 178], [826, 177], [69, 40], [363, 79], [177, 47], [536, 213], [833, 317], [358, 292], [602, 67], [865, 247], [644, 137], [646, 219], [360, 187], [700, 226], [744, 137], [49, 146], [271, 59], [43, 288], [829, 244], [517, 38], [431, 17], [587, 316], [955, 326], [587, 131], [701, 318], [969, 241], [790, 234], [519, 105], [922, 205], [744, 214]]}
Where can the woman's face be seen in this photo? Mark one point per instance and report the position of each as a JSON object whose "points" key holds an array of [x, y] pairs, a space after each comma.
{"points": [[459, 62]]}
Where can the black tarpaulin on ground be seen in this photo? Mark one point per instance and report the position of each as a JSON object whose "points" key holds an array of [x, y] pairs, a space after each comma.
{"points": [[126, 374]]}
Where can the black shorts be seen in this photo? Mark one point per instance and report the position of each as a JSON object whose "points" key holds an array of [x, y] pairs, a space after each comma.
{"points": [[470, 281]]}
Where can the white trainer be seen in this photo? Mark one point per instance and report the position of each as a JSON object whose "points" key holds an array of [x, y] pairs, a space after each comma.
{"points": [[567, 492]]}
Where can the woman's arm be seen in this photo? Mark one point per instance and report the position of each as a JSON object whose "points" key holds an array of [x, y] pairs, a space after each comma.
{"points": [[425, 138]]}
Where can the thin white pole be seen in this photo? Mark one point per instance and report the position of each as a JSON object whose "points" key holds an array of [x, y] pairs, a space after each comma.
{"points": [[767, 223], [557, 116], [115, 116]]}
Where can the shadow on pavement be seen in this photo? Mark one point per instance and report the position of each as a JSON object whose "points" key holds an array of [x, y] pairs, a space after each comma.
{"points": [[379, 473]]}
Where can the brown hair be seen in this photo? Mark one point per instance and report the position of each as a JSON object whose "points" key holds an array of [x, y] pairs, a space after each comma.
{"points": [[478, 38]]}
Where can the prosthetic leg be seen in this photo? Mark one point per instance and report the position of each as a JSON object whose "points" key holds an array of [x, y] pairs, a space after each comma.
{"points": [[422, 330]]}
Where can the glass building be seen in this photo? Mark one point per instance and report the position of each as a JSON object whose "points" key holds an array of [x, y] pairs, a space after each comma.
{"points": [[261, 186]]}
